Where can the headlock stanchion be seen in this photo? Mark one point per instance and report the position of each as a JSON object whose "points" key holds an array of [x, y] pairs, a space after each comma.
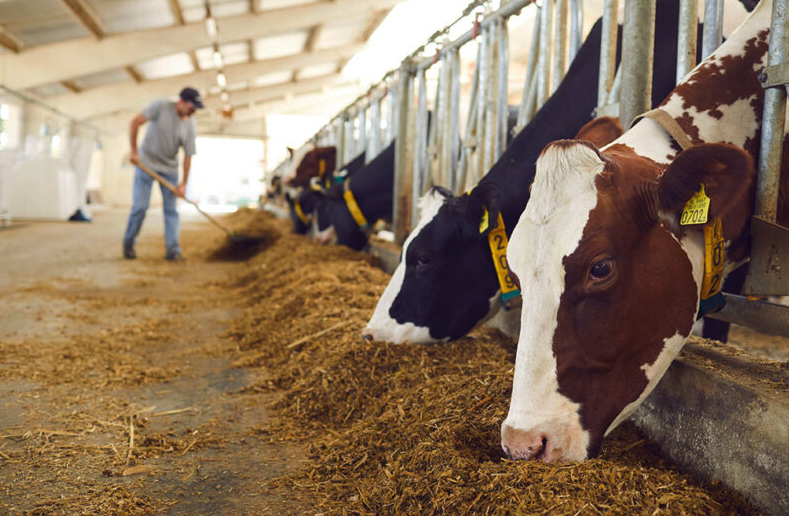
{"points": [[770, 244]]}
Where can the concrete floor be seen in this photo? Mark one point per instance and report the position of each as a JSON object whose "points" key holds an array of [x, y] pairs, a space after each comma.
{"points": [[64, 292]]}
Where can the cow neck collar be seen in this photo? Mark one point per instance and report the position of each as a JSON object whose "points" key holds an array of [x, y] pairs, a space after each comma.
{"points": [[353, 206], [497, 241], [669, 124], [300, 212]]}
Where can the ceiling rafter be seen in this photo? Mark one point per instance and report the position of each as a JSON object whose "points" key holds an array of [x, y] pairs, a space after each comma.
{"points": [[178, 14], [87, 17], [9, 40], [309, 46], [134, 74], [114, 97], [115, 51], [71, 86]]}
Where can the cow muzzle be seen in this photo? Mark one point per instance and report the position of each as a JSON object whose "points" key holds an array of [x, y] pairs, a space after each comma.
{"points": [[547, 442]]}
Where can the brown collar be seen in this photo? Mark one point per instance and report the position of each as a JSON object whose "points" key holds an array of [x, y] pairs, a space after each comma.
{"points": [[669, 124]]}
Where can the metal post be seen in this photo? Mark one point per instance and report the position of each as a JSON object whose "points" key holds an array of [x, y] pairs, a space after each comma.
{"points": [[773, 121], [560, 44], [638, 38], [502, 108], [445, 129], [576, 27], [489, 102], [467, 162], [605, 78], [392, 123], [374, 146], [420, 144], [404, 149], [362, 142], [529, 83], [454, 120], [340, 139], [688, 34], [544, 59], [713, 27]]}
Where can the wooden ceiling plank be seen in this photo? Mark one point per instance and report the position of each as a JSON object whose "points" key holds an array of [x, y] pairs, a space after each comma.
{"points": [[178, 13], [134, 74]]}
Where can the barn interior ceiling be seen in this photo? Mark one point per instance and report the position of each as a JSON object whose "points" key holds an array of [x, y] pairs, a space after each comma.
{"points": [[96, 58]]}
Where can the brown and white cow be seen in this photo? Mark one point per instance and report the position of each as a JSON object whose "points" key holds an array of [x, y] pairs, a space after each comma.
{"points": [[315, 162], [613, 279]]}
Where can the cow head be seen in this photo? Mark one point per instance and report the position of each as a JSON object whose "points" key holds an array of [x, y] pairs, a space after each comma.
{"points": [[445, 283], [612, 282], [316, 162], [336, 225]]}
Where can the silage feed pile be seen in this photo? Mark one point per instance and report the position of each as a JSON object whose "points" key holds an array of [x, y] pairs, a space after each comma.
{"points": [[410, 429]]}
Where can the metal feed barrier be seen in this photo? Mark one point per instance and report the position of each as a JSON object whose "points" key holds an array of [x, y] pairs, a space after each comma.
{"points": [[433, 149]]}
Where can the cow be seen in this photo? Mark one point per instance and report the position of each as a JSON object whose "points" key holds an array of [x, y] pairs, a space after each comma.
{"points": [[303, 203], [362, 199], [614, 274], [446, 282]]}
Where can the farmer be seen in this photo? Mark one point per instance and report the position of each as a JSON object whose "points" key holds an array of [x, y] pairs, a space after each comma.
{"points": [[171, 126]]}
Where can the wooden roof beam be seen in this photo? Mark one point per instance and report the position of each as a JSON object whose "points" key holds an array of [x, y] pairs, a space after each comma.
{"points": [[51, 63], [87, 17], [9, 41]]}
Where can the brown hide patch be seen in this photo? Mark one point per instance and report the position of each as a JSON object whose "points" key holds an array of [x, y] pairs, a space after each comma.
{"points": [[309, 166], [607, 331], [600, 131], [725, 81]]}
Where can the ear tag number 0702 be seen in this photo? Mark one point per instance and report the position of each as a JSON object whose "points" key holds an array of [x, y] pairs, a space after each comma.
{"points": [[696, 209]]}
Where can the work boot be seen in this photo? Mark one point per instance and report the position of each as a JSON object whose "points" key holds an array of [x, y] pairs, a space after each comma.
{"points": [[174, 256], [128, 252]]}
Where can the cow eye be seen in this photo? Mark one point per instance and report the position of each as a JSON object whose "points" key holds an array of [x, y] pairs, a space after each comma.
{"points": [[422, 261], [601, 269]]}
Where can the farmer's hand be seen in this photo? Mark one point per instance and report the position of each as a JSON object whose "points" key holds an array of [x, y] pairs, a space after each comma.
{"points": [[180, 191], [135, 158]]}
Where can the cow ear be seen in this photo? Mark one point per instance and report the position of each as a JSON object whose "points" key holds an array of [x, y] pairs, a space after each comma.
{"points": [[290, 151], [600, 131], [727, 174], [486, 195]]}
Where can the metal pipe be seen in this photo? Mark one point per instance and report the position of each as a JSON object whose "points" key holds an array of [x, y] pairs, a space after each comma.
{"points": [[529, 83], [362, 142], [403, 150], [616, 88], [713, 24], [489, 104], [420, 143], [392, 124], [502, 111], [374, 146], [509, 9], [773, 119], [544, 59], [560, 44], [576, 27], [444, 167], [688, 34], [454, 120], [469, 140], [605, 77], [759, 315], [638, 43]]}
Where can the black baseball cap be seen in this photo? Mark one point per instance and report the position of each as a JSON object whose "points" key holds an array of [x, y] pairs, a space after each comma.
{"points": [[191, 96]]}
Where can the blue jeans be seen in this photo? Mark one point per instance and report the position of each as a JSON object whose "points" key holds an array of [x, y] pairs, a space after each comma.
{"points": [[141, 198]]}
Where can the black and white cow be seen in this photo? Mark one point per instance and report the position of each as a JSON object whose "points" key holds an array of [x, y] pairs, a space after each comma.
{"points": [[446, 282], [304, 202], [372, 189]]}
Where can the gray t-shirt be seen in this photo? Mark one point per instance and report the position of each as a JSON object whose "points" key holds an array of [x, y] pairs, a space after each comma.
{"points": [[166, 132]]}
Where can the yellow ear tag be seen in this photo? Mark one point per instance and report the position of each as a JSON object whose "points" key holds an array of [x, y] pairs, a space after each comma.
{"points": [[485, 222], [696, 209]]}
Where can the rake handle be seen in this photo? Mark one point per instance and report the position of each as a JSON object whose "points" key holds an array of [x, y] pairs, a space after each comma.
{"points": [[170, 187]]}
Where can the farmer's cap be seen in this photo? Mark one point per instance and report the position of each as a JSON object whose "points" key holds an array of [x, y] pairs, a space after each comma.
{"points": [[191, 96]]}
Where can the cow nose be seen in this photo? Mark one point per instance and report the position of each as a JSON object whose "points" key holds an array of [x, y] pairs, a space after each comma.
{"points": [[521, 444], [367, 335]]}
